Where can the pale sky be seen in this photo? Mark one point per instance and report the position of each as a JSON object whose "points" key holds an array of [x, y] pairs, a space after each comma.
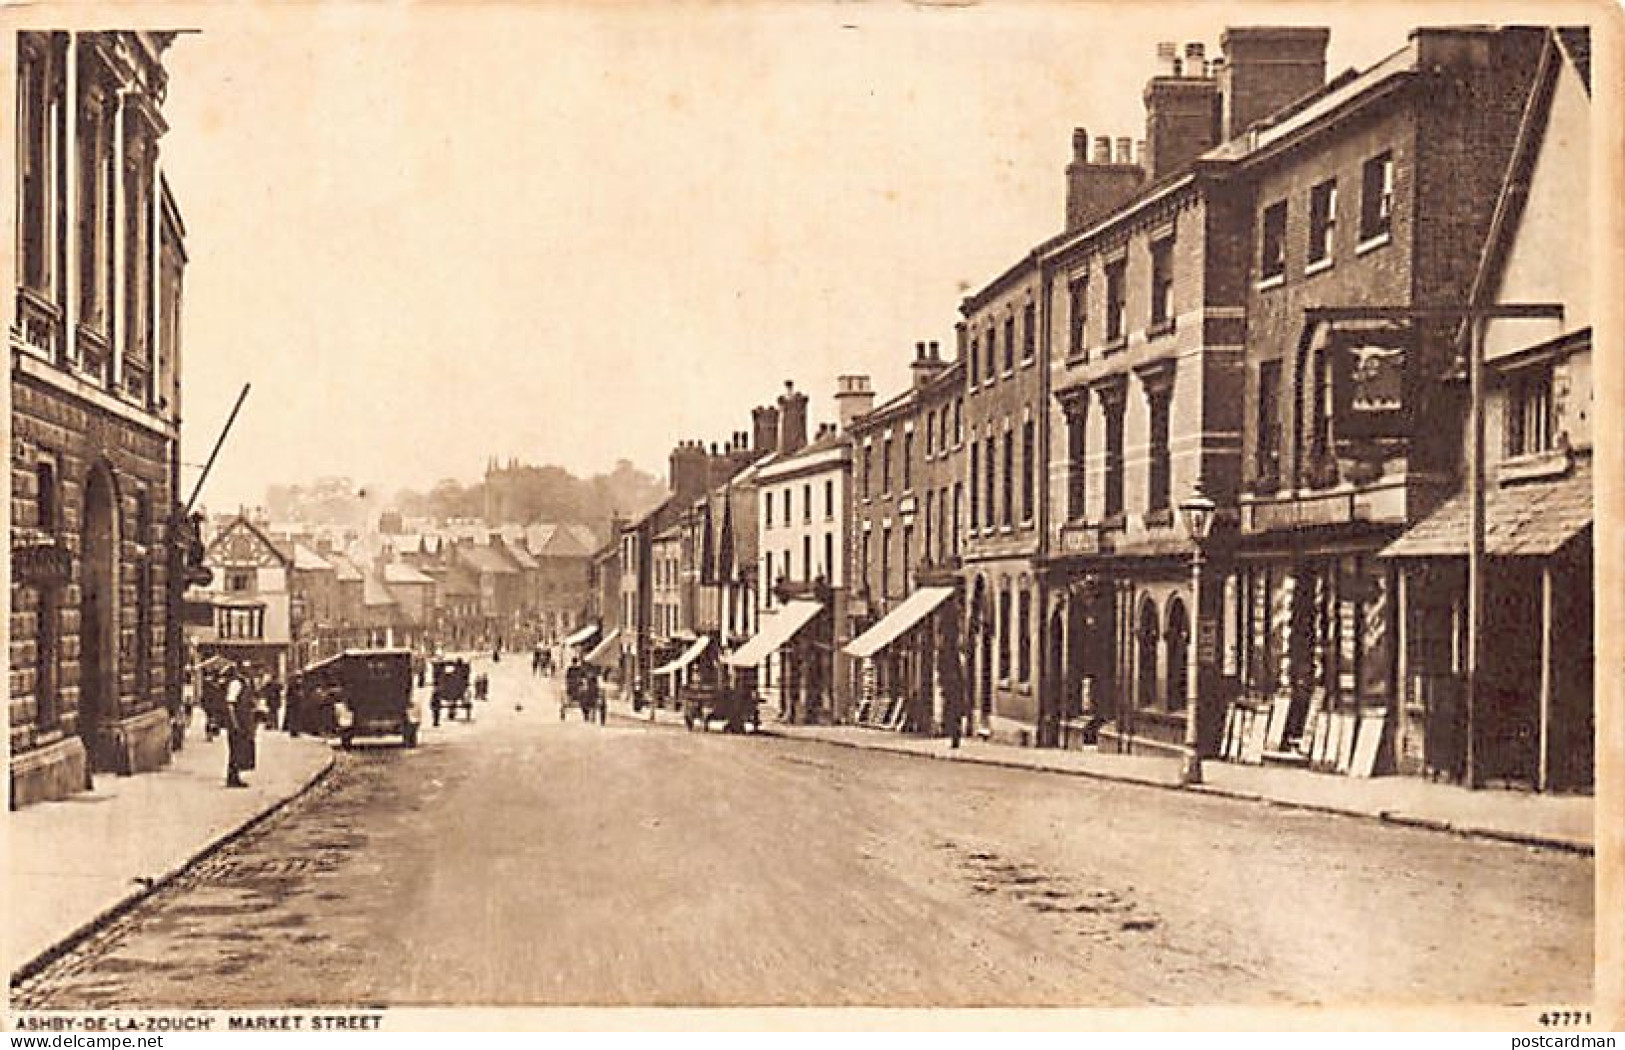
{"points": [[578, 233]]}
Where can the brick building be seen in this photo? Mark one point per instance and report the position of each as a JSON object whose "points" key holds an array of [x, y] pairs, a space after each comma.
{"points": [[96, 652], [904, 608], [1006, 405]]}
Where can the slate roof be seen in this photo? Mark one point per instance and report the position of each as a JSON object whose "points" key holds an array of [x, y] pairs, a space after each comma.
{"points": [[400, 572], [484, 558], [1533, 519], [307, 560]]}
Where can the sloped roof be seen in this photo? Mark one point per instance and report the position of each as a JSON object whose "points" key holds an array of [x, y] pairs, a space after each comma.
{"points": [[483, 558], [344, 569], [401, 572], [560, 541], [459, 582], [1532, 518], [307, 560], [515, 549], [373, 591]]}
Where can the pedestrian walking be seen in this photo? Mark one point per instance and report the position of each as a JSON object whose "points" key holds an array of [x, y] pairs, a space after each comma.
{"points": [[240, 725], [273, 705]]}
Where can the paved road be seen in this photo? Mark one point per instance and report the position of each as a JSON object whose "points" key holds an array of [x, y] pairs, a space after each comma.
{"points": [[523, 861]]}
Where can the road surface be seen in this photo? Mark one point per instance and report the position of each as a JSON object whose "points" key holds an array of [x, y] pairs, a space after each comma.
{"points": [[519, 860]]}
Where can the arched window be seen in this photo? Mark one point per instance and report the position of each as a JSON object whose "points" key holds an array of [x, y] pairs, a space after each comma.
{"points": [[1145, 693], [1179, 641]]}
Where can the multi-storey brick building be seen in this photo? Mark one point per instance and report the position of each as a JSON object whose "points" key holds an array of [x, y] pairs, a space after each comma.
{"points": [[1006, 405], [95, 347], [904, 608]]}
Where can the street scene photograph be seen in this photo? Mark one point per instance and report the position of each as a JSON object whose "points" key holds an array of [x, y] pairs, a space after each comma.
{"points": [[926, 506]]}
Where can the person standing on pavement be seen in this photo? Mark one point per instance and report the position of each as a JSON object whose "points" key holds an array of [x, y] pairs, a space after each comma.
{"points": [[273, 704], [240, 722]]}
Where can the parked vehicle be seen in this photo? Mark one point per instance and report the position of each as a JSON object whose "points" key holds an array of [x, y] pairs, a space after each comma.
{"points": [[369, 692], [451, 693]]}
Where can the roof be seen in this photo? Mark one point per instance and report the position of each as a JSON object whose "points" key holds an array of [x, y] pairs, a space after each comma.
{"points": [[485, 558], [400, 572], [792, 464], [1576, 41], [373, 591], [1531, 519], [344, 569], [560, 541], [307, 560], [459, 582], [515, 549]]}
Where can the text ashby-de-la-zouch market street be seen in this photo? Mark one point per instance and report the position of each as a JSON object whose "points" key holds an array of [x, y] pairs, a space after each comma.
{"points": [[523, 509]]}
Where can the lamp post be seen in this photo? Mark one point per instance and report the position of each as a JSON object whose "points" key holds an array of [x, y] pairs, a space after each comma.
{"points": [[1198, 511]]}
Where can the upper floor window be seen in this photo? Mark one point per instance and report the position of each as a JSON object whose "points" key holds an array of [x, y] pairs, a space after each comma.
{"points": [[1075, 449], [1158, 403], [885, 467], [1029, 469], [930, 434], [908, 460], [1377, 196], [989, 477], [1162, 281], [806, 502], [37, 90], [1008, 492], [1322, 220], [829, 499], [1029, 332], [1115, 300], [992, 361], [46, 498], [1114, 458], [959, 420], [1272, 242], [974, 360], [1009, 344], [1529, 413], [240, 580], [1077, 315], [975, 488], [767, 508]]}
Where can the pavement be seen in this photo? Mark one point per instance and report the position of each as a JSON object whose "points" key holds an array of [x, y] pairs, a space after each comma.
{"points": [[1552, 821], [521, 859], [74, 865]]}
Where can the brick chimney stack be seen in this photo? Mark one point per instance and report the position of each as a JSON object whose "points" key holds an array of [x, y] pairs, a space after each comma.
{"points": [[764, 423], [1267, 68], [854, 397], [927, 364], [792, 419], [1094, 187], [689, 470], [1182, 110]]}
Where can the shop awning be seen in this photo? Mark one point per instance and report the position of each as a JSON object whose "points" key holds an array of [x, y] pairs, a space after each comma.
{"points": [[777, 628], [583, 636], [688, 656], [1530, 519], [895, 624], [606, 653]]}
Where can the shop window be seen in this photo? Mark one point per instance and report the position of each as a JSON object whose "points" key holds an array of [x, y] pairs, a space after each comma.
{"points": [[1178, 644], [1145, 692]]}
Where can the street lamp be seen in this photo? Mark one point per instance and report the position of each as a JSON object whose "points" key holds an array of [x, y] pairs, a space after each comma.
{"points": [[1198, 511]]}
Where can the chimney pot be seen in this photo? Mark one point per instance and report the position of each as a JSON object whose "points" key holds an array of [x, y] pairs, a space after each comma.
{"points": [[936, 355], [1194, 52], [1125, 150], [1103, 149], [1080, 145]]}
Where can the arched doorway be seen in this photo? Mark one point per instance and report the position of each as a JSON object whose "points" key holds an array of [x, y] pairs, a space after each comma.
{"points": [[98, 615], [1178, 641]]}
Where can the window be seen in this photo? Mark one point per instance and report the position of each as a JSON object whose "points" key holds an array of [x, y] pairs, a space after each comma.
{"points": [[1377, 196], [1008, 490], [807, 572], [1267, 456], [1158, 403], [975, 358], [1076, 420], [1529, 413], [46, 499], [908, 556], [1029, 332], [885, 467], [829, 500], [975, 488], [1024, 638], [1162, 282], [1114, 458], [36, 94], [953, 531], [1077, 315], [1114, 301], [930, 510], [908, 460], [1272, 242], [863, 561], [959, 414], [868, 467], [930, 434], [1029, 466], [96, 174], [806, 502], [240, 581], [1004, 634], [992, 360], [885, 562], [1178, 642], [767, 509], [829, 557], [1009, 344], [1146, 684], [989, 476], [1322, 220]]}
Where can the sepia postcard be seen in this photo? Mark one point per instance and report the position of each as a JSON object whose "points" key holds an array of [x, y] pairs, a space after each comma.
{"points": [[783, 515]]}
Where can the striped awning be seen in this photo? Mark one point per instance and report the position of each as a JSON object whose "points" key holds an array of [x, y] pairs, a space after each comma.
{"points": [[777, 628], [582, 636], [689, 655]]}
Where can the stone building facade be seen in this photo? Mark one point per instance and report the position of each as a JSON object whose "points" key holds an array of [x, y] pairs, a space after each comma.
{"points": [[95, 347]]}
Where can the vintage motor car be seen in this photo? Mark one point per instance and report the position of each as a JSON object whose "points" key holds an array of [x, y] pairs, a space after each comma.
{"points": [[371, 692]]}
